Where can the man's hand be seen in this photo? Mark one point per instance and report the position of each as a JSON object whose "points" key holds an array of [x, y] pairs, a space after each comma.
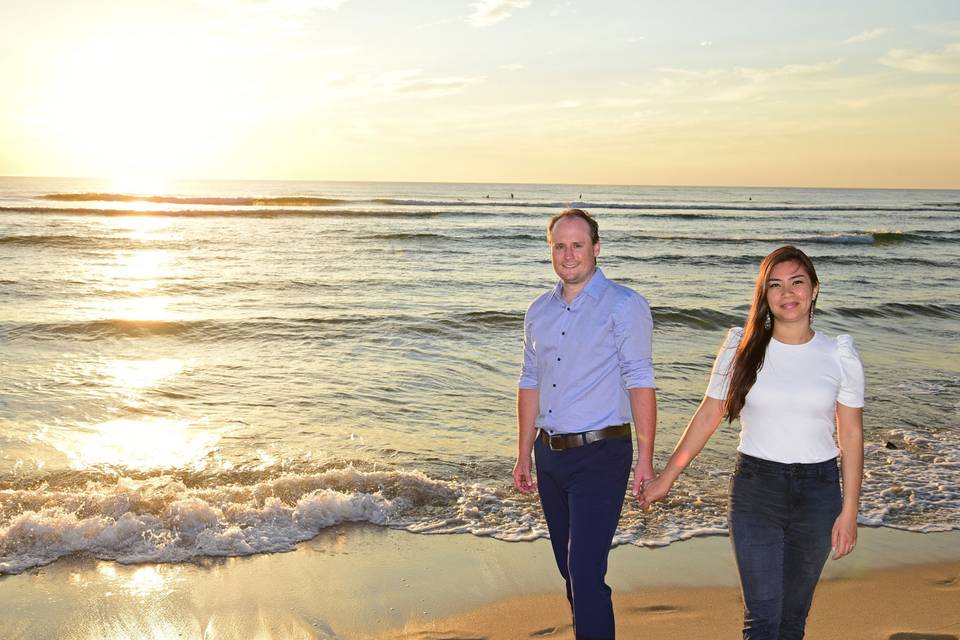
{"points": [[523, 476], [641, 474], [654, 490], [844, 536]]}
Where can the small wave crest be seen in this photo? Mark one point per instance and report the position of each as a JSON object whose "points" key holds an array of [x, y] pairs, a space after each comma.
{"points": [[305, 212], [163, 519], [853, 238], [901, 310], [99, 329], [747, 207], [700, 317], [410, 236], [66, 241], [277, 201]]}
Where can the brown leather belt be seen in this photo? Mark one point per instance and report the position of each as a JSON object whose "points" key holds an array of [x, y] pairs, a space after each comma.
{"points": [[563, 441]]}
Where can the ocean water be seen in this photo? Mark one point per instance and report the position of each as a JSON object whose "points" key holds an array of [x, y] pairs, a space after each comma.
{"points": [[230, 367]]}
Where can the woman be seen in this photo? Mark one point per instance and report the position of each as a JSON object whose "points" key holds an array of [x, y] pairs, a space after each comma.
{"points": [[788, 385]]}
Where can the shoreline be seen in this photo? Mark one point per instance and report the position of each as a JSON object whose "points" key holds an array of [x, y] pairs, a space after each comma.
{"points": [[363, 581]]}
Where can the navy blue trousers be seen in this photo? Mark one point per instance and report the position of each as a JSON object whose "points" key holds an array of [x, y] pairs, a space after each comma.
{"points": [[781, 520], [582, 492]]}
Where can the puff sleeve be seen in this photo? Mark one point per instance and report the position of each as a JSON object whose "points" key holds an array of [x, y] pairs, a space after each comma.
{"points": [[851, 373], [720, 375]]}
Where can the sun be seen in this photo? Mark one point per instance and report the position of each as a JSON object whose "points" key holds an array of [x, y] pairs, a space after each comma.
{"points": [[139, 185], [141, 103]]}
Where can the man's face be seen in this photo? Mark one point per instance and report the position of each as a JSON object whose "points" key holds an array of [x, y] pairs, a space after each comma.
{"points": [[573, 253]]}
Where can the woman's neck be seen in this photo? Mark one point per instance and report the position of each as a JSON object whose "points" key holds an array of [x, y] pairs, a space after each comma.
{"points": [[792, 333]]}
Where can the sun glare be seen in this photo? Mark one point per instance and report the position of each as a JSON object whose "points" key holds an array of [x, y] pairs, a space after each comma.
{"points": [[139, 445], [139, 185], [140, 374], [146, 581], [138, 270], [133, 104]]}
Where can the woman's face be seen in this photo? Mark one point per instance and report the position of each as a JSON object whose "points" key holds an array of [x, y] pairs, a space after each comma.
{"points": [[790, 292]]}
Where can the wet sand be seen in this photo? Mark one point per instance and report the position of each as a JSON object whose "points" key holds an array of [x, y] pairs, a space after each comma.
{"points": [[368, 582]]}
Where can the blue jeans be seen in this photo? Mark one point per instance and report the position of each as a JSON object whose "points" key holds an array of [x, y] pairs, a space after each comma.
{"points": [[582, 492], [781, 518]]}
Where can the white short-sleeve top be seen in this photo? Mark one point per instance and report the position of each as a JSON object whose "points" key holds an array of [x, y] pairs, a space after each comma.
{"points": [[789, 414]]}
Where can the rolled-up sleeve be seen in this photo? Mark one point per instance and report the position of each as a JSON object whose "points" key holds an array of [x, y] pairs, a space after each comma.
{"points": [[633, 331], [528, 369]]}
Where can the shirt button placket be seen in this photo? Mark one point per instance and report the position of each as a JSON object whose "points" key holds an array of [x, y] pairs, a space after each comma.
{"points": [[563, 332]]}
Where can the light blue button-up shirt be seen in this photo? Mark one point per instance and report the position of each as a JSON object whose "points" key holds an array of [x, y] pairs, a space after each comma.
{"points": [[584, 355]]}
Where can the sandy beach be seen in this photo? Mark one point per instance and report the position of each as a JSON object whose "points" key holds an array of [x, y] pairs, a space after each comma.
{"points": [[366, 582]]}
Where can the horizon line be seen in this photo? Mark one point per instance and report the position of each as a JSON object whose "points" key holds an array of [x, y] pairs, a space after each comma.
{"points": [[521, 183]]}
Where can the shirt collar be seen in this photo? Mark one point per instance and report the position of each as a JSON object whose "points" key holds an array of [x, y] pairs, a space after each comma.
{"points": [[598, 282]]}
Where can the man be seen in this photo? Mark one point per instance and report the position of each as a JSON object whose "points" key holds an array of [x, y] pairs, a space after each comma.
{"points": [[587, 368]]}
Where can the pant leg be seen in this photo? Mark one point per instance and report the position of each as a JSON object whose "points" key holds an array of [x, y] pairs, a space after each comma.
{"points": [[596, 500], [582, 492], [757, 521], [552, 487], [816, 503]]}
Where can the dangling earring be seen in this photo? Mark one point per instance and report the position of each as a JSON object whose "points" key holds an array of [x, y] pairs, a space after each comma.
{"points": [[768, 321], [811, 313]]}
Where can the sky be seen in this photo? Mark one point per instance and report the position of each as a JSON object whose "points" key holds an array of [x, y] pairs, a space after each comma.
{"points": [[839, 93]]}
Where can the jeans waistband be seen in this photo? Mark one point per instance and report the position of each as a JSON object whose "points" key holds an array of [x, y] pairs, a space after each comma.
{"points": [[796, 469]]}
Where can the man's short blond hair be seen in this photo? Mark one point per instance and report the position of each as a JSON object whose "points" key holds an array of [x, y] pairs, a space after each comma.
{"points": [[574, 213]]}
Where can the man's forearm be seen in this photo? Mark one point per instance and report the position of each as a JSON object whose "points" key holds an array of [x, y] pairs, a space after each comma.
{"points": [[643, 405], [528, 406]]}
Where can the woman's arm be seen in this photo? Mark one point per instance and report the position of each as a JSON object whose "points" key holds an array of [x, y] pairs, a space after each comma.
{"points": [[850, 439], [703, 424]]}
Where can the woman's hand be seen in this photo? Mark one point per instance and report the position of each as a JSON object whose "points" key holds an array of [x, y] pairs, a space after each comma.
{"points": [[654, 490], [844, 537]]}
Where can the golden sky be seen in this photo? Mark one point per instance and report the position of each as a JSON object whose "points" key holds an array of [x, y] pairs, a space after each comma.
{"points": [[752, 92]]}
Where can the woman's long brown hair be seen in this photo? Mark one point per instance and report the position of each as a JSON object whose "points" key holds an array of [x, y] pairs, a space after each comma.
{"points": [[753, 345]]}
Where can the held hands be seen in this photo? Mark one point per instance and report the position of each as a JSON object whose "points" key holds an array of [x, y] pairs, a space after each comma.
{"points": [[844, 536], [653, 490], [523, 476], [642, 474]]}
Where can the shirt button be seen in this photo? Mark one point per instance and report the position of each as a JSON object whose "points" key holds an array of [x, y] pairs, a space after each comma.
{"points": [[554, 384], [563, 333], [558, 359], [549, 410], [568, 308]]}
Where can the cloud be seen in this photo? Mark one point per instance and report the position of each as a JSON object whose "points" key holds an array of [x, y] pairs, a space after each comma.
{"points": [[911, 94], [514, 66], [738, 83], [488, 12], [788, 71], [706, 43], [623, 103], [948, 28], [279, 5], [258, 16], [565, 8], [866, 36], [946, 61], [412, 82]]}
